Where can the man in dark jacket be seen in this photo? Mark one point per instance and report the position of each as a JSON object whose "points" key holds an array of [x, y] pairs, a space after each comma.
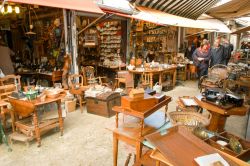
{"points": [[217, 54], [228, 48]]}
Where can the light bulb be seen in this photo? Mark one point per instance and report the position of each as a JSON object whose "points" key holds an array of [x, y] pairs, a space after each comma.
{"points": [[17, 9], [9, 9], [2, 10]]}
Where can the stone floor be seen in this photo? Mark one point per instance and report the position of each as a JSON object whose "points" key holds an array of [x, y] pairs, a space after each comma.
{"points": [[87, 142]]}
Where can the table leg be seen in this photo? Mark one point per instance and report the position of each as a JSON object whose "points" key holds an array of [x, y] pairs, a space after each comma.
{"points": [[157, 163], [160, 78], [138, 150], [12, 115], [151, 80], [60, 116], [37, 130], [115, 149], [116, 119], [174, 78], [217, 122]]}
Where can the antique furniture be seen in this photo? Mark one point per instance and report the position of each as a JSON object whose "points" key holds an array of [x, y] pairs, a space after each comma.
{"points": [[3, 137], [30, 125], [88, 73], [145, 80], [180, 147], [52, 77], [126, 78], [182, 72], [102, 104], [187, 103], [133, 133], [219, 115], [239, 149], [76, 88], [170, 70], [8, 84], [216, 77], [189, 119], [66, 68], [191, 71]]}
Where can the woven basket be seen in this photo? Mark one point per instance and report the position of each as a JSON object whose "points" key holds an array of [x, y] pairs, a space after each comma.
{"points": [[189, 119]]}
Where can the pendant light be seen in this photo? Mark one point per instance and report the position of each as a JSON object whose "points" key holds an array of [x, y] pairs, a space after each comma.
{"points": [[30, 26]]}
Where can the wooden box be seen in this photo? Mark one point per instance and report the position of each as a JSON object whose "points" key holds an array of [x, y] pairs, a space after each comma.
{"points": [[244, 155], [102, 104], [136, 93], [139, 104]]}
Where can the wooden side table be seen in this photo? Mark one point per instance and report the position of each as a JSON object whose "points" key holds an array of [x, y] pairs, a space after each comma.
{"points": [[219, 115], [26, 108], [150, 121]]}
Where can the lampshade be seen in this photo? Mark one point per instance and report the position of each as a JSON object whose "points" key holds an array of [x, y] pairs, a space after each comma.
{"points": [[17, 9], [9, 9], [2, 10]]}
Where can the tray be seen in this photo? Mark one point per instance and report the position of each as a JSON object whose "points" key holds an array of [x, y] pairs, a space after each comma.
{"points": [[244, 155], [180, 147], [226, 107]]}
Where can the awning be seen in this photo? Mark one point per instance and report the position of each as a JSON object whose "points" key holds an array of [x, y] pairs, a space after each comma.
{"points": [[242, 30], [232, 9], [162, 18], [80, 5], [184, 8]]}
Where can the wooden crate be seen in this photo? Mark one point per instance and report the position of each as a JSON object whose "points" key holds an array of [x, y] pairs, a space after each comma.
{"points": [[102, 105]]}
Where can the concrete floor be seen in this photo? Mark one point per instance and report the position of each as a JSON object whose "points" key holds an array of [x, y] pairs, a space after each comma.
{"points": [[87, 142]]}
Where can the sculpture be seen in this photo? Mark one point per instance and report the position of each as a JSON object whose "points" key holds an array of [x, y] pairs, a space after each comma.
{"points": [[66, 68]]}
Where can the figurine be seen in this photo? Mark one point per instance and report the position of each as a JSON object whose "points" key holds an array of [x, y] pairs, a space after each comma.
{"points": [[66, 67]]}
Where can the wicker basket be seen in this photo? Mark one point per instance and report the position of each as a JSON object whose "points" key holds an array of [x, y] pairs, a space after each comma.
{"points": [[189, 119]]}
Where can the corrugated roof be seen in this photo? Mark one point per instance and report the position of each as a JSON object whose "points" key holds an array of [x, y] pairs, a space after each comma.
{"points": [[185, 8]]}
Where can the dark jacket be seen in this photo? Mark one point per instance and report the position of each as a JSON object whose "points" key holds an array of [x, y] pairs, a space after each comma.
{"points": [[217, 56], [228, 48], [199, 54]]}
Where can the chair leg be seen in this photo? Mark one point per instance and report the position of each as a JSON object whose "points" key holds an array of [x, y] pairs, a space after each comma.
{"points": [[80, 102]]}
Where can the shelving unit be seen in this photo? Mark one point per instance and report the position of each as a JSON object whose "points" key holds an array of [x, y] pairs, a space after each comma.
{"points": [[110, 42]]}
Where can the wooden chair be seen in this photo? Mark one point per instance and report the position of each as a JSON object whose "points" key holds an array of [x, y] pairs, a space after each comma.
{"points": [[145, 80], [8, 84], [88, 73], [124, 77], [216, 77], [191, 71], [76, 88]]}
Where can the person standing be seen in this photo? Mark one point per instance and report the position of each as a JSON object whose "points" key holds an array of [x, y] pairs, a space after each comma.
{"points": [[217, 54], [228, 48], [201, 58]]}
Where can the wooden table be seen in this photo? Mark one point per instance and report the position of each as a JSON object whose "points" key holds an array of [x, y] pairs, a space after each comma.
{"points": [[150, 121], [35, 104], [180, 147], [219, 115], [52, 77], [171, 70]]}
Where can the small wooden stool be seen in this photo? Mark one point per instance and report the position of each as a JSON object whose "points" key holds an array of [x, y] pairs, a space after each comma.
{"points": [[191, 71]]}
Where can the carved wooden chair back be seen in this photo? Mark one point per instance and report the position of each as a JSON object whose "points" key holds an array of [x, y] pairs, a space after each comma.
{"points": [[145, 80], [75, 81], [9, 84]]}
